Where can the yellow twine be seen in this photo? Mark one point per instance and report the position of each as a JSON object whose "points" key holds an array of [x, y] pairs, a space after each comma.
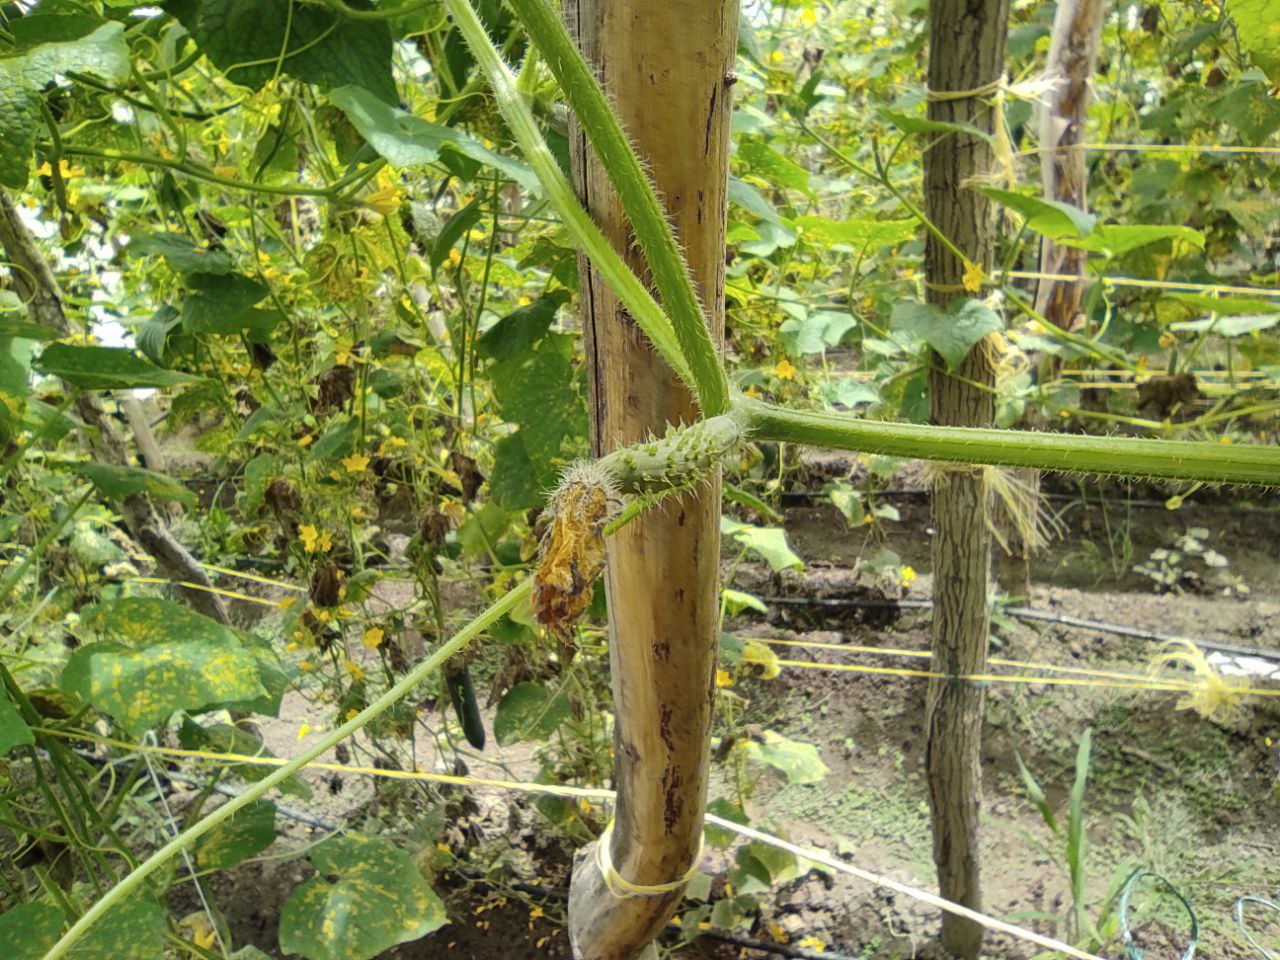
{"points": [[207, 589], [1147, 284], [624, 889], [1160, 148], [986, 90], [227, 571], [1208, 689]]}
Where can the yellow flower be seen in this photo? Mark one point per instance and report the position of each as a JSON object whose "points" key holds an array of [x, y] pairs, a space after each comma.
{"points": [[313, 540], [723, 679], [373, 637], [356, 671], [304, 730], [385, 200], [1167, 340], [811, 943], [973, 277], [356, 463], [908, 576], [67, 172], [809, 18], [306, 441], [785, 370]]}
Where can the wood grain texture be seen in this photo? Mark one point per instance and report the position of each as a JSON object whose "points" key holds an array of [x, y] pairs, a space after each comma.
{"points": [[966, 52], [666, 65]]}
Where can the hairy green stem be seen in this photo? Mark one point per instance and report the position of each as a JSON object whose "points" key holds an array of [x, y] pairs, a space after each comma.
{"points": [[628, 287], [636, 191], [1069, 453], [131, 883]]}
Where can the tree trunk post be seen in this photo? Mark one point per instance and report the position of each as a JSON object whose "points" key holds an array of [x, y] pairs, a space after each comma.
{"points": [[667, 67], [1073, 55], [966, 53]]}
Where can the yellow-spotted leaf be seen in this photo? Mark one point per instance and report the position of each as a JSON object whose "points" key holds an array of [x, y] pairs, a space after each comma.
{"points": [[248, 831], [378, 900], [134, 930], [155, 657]]}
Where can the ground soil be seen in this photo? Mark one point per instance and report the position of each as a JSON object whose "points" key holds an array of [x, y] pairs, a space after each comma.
{"points": [[1192, 798]]}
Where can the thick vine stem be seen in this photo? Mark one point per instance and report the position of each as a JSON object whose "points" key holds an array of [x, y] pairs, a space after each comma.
{"points": [[680, 459], [1065, 453], [628, 287], [639, 198], [130, 884]]}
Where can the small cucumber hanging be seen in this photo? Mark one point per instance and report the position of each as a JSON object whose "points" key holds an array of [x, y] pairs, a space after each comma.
{"points": [[463, 695]]}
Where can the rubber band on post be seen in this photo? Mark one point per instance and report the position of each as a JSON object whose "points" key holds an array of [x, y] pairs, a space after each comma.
{"points": [[624, 889]]}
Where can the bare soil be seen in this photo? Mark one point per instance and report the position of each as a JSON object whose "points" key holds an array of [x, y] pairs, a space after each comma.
{"points": [[1192, 798]]}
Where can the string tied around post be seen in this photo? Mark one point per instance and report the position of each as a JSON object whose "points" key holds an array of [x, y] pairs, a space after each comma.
{"points": [[624, 889]]}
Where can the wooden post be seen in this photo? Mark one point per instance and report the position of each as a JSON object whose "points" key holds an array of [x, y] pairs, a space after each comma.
{"points": [[966, 53], [667, 67], [1073, 56]]}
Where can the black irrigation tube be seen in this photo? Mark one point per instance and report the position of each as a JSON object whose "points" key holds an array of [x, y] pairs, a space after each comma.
{"points": [[533, 889], [1025, 613]]}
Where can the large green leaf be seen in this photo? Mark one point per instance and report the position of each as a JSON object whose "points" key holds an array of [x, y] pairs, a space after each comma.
{"points": [[924, 125], [120, 482], [14, 731], [799, 762], [252, 41], [1258, 26], [101, 50], [769, 165], [379, 900], [1115, 239], [767, 542], [404, 140], [181, 253], [854, 232], [249, 830], [218, 303], [529, 711], [134, 930], [157, 657], [1051, 218], [951, 332], [106, 368]]}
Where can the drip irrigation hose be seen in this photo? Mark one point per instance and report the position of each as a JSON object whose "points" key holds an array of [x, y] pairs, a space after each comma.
{"points": [[1026, 613], [1133, 953]]}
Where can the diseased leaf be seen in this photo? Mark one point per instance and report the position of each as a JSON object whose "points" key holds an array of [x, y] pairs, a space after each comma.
{"points": [[529, 711], [378, 900], [120, 482], [249, 830], [227, 739], [106, 368], [1051, 218], [246, 39], [157, 657], [133, 930], [951, 332]]}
